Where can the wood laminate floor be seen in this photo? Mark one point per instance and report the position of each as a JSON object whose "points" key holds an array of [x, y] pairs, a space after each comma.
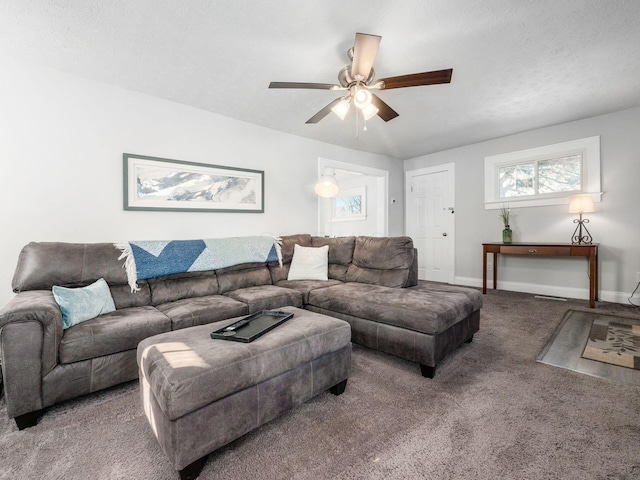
{"points": [[565, 348]]}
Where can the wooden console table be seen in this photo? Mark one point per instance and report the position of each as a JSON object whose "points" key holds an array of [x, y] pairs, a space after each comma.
{"points": [[543, 250]]}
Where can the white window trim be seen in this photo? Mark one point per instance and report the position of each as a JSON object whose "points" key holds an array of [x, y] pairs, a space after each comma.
{"points": [[362, 191], [589, 148]]}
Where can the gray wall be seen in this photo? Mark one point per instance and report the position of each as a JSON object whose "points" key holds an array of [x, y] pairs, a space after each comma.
{"points": [[615, 225], [61, 143]]}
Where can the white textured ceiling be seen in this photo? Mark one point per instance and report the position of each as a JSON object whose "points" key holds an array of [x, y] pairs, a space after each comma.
{"points": [[517, 65]]}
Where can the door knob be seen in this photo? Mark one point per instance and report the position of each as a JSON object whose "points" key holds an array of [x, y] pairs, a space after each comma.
{"points": [[444, 234]]}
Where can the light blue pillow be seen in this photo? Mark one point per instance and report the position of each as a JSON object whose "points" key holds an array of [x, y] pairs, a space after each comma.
{"points": [[80, 304]]}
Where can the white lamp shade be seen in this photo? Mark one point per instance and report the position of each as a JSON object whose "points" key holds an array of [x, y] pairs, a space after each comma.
{"points": [[327, 186], [341, 108], [369, 111], [581, 204], [362, 98]]}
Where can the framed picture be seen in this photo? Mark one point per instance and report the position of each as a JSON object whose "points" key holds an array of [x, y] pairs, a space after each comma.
{"points": [[349, 205], [152, 183]]}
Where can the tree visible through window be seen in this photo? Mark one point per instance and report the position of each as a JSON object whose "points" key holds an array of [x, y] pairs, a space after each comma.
{"points": [[349, 205], [544, 175], [539, 177]]}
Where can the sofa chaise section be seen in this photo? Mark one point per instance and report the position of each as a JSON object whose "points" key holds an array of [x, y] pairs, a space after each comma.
{"points": [[411, 323], [373, 284]]}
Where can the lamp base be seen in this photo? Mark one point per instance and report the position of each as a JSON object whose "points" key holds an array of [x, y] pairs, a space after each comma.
{"points": [[581, 235]]}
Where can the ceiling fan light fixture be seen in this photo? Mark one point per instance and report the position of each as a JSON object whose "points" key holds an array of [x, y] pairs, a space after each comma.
{"points": [[342, 107], [362, 98], [369, 111]]}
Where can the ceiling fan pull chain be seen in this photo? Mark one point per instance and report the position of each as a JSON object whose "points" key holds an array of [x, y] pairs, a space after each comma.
{"points": [[357, 121]]}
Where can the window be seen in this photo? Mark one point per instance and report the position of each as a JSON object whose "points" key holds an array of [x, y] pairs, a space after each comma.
{"points": [[552, 175], [349, 205], [547, 175]]}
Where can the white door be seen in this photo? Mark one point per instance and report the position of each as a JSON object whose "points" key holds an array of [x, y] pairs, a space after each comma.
{"points": [[430, 221]]}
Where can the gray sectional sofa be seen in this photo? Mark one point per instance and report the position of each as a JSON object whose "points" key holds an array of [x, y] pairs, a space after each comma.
{"points": [[372, 285]]}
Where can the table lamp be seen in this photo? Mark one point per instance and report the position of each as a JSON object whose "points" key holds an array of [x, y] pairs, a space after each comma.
{"points": [[581, 204]]}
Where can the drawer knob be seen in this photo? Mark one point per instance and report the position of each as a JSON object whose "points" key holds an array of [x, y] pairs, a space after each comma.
{"points": [[533, 250]]}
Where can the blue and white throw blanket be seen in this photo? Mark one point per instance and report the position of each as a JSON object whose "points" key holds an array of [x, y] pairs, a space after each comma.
{"points": [[156, 258]]}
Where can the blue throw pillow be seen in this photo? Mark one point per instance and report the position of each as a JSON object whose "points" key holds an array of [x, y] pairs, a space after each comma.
{"points": [[80, 304]]}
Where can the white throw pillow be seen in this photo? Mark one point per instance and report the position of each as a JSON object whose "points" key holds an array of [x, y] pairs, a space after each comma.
{"points": [[309, 263]]}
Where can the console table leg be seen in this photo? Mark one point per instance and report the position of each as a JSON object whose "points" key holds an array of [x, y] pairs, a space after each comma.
{"points": [[484, 269], [593, 280], [495, 271]]}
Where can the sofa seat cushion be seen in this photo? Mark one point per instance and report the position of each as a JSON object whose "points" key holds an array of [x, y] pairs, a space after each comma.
{"points": [[190, 312], [419, 310], [305, 286], [213, 369], [267, 297], [111, 333], [474, 296]]}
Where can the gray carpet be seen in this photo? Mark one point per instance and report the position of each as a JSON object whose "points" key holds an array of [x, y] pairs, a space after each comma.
{"points": [[491, 412]]}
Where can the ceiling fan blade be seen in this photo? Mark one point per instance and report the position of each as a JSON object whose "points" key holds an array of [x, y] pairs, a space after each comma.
{"points": [[324, 112], [385, 112], [364, 53], [315, 86], [417, 79]]}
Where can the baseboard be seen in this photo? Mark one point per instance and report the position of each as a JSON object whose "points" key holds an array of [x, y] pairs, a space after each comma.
{"points": [[553, 290]]}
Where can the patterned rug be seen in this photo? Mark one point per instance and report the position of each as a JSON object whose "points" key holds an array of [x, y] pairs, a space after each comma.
{"points": [[613, 342], [581, 332]]}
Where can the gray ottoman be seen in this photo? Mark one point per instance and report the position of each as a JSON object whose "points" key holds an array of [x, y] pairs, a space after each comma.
{"points": [[200, 394]]}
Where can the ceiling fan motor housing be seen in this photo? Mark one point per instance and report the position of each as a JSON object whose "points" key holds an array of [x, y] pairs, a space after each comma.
{"points": [[346, 79]]}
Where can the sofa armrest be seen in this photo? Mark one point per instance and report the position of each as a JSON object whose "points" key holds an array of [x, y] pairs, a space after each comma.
{"points": [[30, 334]]}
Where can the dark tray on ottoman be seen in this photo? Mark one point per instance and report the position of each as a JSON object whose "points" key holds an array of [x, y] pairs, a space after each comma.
{"points": [[249, 328]]}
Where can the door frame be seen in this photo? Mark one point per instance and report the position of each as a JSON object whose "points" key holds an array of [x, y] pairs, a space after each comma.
{"points": [[408, 176], [382, 205]]}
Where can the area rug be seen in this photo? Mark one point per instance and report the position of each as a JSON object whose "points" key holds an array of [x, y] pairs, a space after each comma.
{"points": [[580, 344], [613, 342]]}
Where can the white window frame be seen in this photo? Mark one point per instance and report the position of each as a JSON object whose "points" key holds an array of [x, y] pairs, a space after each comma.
{"points": [[589, 148], [351, 192]]}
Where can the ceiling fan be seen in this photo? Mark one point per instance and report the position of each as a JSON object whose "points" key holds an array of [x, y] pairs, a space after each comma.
{"points": [[358, 80]]}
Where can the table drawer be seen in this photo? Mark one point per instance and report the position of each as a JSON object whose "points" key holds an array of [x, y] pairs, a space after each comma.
{"points": [[535, 250]]}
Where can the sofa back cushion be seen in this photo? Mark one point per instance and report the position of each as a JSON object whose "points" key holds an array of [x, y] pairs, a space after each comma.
{"points": [[383, 261], [183, 285], [340, 254], [340, 248], [41, 265], [123, 297], [243, 276], [279, 273], [289, 242]]}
